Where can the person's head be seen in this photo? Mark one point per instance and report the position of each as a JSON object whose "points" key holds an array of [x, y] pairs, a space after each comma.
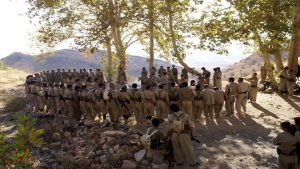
{"points": [[216, 89], [168, 68], [205, 86], [155, 122], [198, 87], [173, 66], [231, 79], [161, 86], [203, 68], [147, 87], [286, 68], [240, 79], [193, 82], [124, 89], [215, 69], [69, 86], [172, 84], [254, 74], [184, 84], [77, 88], [174, 107], [288, 127], [164, 73], [134, 85]]}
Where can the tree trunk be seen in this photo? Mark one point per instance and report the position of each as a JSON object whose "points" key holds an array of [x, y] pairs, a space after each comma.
{"points": [[269, 69], [278, 60], [173, 39], [294, 51], [151, 31], [109, 60]]}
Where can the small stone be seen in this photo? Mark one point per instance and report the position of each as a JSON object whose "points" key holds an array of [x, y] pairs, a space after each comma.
{"points": [[116, 147], [140, 155], [109, 139], [55, 145], [103, 158], [67, 134], [115, 133], [56, 136], [128, 165], [45, 149]]}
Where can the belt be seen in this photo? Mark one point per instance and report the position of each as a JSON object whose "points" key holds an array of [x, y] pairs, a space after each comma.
{"points": [[198, 99], [243, 92], [34, 93], [254, 86]]}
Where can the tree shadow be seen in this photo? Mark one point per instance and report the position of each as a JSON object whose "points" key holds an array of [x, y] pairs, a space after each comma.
{"points": [[289, 101], [265, 111]]}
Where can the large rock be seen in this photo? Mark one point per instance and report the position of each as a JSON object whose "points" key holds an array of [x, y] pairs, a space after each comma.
{"points": [[115, 133], [140, 155], [128, 165]]}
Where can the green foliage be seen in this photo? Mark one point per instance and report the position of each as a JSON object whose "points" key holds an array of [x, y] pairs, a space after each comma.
{"points": [[2, 66], [17, 151]]}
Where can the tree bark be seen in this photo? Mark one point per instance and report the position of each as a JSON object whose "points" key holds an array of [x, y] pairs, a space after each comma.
{"points": [[151, 31], [294, 51], [109, 60], [278, 60], [173, 39]]}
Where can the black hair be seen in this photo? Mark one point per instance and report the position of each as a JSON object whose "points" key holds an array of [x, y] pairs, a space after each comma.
{"points": [[231, 79], [291, 128], [155, 122], [134, 85], [161, 86], [184, 84], [172, 84], [174, 107], [198, 87], [147, 87]]}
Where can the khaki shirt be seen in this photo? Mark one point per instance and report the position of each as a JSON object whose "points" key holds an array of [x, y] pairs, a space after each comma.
{"points": [[286, 142], [188, 124], [219, 96], [243, 87], [231, 89], [162, 95], [148, 96], [186, 94], [208, 96]]}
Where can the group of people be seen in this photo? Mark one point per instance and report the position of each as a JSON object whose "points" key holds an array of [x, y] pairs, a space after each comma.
{"points": [[85, 94]]}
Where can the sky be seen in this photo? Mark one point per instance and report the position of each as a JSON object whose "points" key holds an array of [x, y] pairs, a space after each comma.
{"points": [[16, 33]]}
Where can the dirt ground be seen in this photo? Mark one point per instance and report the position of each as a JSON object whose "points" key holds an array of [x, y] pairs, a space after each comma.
{"points": [[231, 142]]}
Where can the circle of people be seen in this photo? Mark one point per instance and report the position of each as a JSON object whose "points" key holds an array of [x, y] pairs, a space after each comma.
{"points": [[85, 94]]}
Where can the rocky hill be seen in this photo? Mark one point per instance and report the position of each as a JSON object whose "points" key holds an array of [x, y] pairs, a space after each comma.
{"points": [[72, 59], [247, 66]]}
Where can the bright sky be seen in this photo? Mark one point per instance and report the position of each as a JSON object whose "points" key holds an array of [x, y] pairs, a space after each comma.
{"points": [[16, 32]]}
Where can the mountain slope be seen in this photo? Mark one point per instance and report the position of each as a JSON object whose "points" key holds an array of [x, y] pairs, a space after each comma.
{"points": [[72, 59]]}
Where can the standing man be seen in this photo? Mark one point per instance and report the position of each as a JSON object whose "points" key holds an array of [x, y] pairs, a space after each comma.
{"points": [[161, 71], [122, 79], [263, 73], [162, 102], [137, 105], [164, 81], [198, 103], [186, 96], [283, 80], [291, 80], [231, 93], [170, 75], [174, 94], [152, 72], [181, 131], [175, 73], [113, 108], [219, 101], [124, 102], [206, 75], [99, 102], [208, 102], [148, 102], [254, 89], [184, 72], [243, 89]]}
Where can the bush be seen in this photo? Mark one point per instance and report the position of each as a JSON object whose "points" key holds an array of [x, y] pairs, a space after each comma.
{"points": [[2, 66], [16, 152]]}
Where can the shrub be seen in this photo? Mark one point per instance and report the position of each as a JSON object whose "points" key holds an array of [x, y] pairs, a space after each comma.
{"points": [[16, 152], [2, 66]]}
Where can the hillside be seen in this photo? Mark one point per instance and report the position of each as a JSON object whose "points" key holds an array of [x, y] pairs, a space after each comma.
{"points": [[72, 59], [247, 66]]}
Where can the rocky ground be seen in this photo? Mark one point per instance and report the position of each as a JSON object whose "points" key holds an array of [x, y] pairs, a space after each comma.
{"points": [[230, 142]]}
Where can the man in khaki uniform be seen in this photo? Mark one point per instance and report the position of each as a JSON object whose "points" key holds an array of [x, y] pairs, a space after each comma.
{"points": [[254, 89], [186, 96], [122, 79], [175, 73], [184, 72], [170, 75], [231, 93], [241, 101], [68, 97], [263, 73], [291, 80], [198, 103], [164, 81], [218, 78], [113, 108], [51, 99], [34, 95], [124, 100], [83, 101], [144, 82], [99, 102], [219, 101], [162, 102], [161, 70], [152, 72], [208, 102], [286, 150], [181, 131], [148, 102], [206, 75], [283, 80], [40, 96], [137, 105], [76, 103], [174, 94]]}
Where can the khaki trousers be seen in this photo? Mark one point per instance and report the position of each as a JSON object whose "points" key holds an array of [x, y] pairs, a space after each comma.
{"points": [[187, 107], [161, 109], [197, 109]]}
